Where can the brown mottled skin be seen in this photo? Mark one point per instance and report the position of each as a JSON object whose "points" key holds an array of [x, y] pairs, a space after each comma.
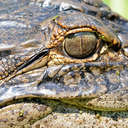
{"points": [[73, 51]]}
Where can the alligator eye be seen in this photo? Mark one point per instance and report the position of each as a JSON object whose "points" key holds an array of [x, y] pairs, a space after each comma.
{"points": [[80, 45]]}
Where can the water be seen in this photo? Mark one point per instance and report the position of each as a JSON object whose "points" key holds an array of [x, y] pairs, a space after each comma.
{"points": [[120, 6]]}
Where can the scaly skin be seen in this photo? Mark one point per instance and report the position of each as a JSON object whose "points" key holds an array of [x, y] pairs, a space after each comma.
{"points": [[34, 63]]}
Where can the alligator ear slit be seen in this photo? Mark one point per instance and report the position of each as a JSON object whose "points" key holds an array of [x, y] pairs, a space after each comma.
{"points": [[41, 53]]}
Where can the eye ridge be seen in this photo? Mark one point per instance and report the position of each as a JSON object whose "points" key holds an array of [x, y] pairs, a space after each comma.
{"points": [[80, 45]]}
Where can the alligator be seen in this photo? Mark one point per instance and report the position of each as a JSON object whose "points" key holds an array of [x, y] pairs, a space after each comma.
{"points": [[72, 51]]}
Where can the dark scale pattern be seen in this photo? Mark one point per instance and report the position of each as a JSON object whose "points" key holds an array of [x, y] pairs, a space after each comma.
{"points": [[9, 65]]}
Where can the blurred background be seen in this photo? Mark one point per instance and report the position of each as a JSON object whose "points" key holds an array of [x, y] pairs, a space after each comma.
{"points": [[120, 6]]}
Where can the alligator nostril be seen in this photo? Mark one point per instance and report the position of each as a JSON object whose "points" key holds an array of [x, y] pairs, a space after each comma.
{"points": [[5, 53]]}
